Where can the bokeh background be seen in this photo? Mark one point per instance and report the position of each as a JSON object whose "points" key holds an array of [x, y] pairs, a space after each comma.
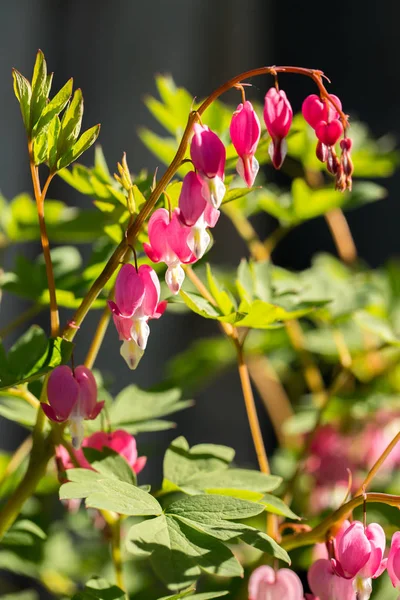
{"points": [[113, 49]]}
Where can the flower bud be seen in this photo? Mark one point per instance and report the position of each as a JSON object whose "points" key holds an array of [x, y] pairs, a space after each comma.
{"points": [[329, 133], [321, 152], [245, 133], [278, 115], [208, 155], [315, 110]]}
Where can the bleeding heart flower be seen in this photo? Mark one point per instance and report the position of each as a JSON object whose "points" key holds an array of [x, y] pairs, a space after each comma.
{"points": [[278, 115], [329, 133], [393, 561], [245, 133], [315, 110], [326, 585], [72, 397], [208, 155], [267, 584], [359, 551]]}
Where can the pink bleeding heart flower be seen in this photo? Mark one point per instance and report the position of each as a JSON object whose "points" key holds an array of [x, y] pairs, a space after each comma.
{"points": [[265, 582], [359, 551], [196, 213], [119, 440], [278, 116], [393, 561], [72, 397], [137, 300], [245, 133], [208, 155], [315, 110], [169, 244], [326, 585], [329, 133]]}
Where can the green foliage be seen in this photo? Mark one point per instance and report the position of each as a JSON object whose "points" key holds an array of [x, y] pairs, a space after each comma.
{"points": [[32, 356], [187, 593], [54, 141], [137, 410], [100, 589]]}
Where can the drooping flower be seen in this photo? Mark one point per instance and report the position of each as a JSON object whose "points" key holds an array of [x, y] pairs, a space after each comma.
{"points": [[393, 561], [208, 155], [245, 133], [315, 110], [196, 213], [72, 396], [326, 585], [329, 132], [137, 300], [169, 244], [265, 582], [278, 115], [359, 551]]}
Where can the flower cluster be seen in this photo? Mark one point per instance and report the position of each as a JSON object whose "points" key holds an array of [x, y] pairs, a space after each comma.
{"points": [[358, 559], [323, 116]]}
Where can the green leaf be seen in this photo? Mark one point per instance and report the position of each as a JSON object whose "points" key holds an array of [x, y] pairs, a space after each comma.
{"points": [[263, 542], [204, 596], [106, 493], [23, 92], [53, 133], [53, 108], [179, 553], [139, 410], [32, 356], [16, 409], [40, 88], [199, 305], [277, 506], [109, 463], [378, 326], [211, 510], [220, 296], [235, 479], [23, 533], [86, 140], [181, 462], [100, 589], [71, 124]]}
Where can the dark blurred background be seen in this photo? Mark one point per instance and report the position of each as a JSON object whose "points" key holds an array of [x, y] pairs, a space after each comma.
{"points": [[114, 49]]}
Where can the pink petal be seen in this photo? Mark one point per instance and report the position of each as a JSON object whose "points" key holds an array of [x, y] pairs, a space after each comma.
{"points": [[177, 238], [245, 129], [288, 585], [87, 392], [263, 573], [329, 133], [393, 562], [191, 200], [151, 286], [211, 215], [129, 290], [207, 152], [124, 327], [62, 392], [140, 464], [160, 310], [377, 539], [157, 229], [247, 167], [96, 410], [50, 413], [151, 253], [328, 586], [354, 549]]}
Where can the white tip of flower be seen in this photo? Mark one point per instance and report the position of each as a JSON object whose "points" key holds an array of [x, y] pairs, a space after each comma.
{"points": [[77, 432], [140, 332], [363, 587], [217, 191], [174, 278], [131, 353], [248, 172], [198, 240]]}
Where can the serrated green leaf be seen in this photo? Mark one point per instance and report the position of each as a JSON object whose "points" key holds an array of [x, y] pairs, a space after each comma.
{"points": [[179, 553], [100, 589], [108, 494], [40, 87], [53, 108], [109, 463], [277, 507], [235, 479], [86, 140], [211, 510], [23, 92], [199, 305], [263, 542], [204, 596], [220, 296], [71, 124]]}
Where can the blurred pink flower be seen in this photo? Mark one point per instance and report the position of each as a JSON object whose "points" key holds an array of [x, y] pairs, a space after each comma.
{"points": [[282, 584]]}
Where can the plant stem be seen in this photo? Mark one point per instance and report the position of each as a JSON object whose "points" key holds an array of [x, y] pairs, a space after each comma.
{"points": [[342, 236], [22, 393], [320, 533], [378, 464], [21, 319], [17, 459], [36, 470], [134, 229], [44, 238], [252, 411], [98, 338], [116, 553]]}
